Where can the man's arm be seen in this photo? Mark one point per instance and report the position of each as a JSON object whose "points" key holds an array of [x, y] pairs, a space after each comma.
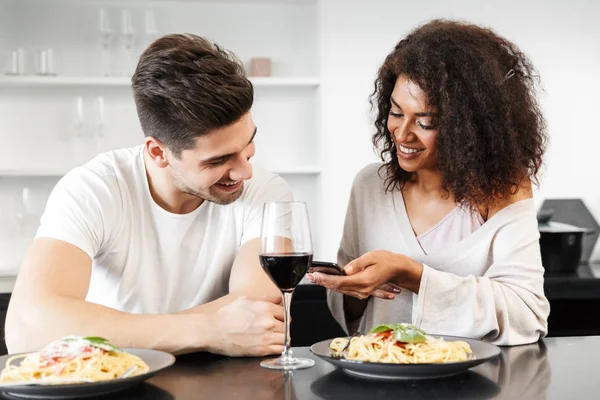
{"points": [[48, 302], [247, 276], [247, 280]]}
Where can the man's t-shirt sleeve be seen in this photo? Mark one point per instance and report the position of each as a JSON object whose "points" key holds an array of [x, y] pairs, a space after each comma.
{"points": [[80, 211], [274, 188]]}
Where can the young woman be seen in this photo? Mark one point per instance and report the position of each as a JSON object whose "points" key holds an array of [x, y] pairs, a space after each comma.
{"points": [[443, 234]]}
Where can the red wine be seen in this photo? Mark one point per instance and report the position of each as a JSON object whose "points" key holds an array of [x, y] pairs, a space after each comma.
{"points": [[286, 270]]}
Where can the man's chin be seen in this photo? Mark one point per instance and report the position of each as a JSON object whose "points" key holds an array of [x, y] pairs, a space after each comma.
{"points": [[219, 197]]}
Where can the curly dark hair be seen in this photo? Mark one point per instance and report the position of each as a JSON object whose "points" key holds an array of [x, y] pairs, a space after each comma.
{"points": [[491, 132], [185, 86]]}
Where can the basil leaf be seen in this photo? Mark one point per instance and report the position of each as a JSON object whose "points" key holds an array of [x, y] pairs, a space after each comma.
{"points": [[383, 328], [95, 339], [101, 343], [409, 334], [411, 327]]}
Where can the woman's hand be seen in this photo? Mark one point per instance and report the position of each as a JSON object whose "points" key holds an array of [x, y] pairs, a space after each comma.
{"points": [[374, 274]]}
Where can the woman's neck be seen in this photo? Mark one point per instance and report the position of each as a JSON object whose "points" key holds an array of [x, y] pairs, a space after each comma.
{"points": [[428, 182]]}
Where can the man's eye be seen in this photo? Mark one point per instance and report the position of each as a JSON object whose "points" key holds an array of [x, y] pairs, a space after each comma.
{"points": [[218, 162]]}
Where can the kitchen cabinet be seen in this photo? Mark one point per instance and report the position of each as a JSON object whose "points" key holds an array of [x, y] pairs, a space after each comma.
{"points": [[53, 122]]}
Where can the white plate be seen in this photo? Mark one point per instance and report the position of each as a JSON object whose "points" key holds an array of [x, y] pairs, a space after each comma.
{"points": [[482, 352], [156, 360]]}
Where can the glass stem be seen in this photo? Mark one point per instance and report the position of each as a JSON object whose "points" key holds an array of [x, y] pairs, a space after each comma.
{"points": [[287, 355]]}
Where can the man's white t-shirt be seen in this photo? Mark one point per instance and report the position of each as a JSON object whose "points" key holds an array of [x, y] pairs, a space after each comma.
{"points": [[147, 260]]}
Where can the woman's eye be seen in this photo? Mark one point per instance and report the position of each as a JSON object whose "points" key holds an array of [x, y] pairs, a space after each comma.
{"points": [[425, 127], [393, 114]]}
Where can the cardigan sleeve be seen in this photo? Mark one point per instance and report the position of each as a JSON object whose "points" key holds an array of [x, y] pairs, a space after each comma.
{"points": [[505, 306]]}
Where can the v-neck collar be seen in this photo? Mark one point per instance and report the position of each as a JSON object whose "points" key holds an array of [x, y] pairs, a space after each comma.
{"points": [[462, 247]]}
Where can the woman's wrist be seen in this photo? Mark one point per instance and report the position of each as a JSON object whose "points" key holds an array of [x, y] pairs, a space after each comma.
{"points": [[409, 273]]}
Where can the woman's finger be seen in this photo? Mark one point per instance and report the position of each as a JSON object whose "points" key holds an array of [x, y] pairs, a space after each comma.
{"points": [[383, 295], [325, 280], [390, 288], [359, 263]]}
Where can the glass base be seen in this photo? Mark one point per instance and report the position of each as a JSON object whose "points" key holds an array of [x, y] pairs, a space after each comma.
{"points": [[288, 364]]}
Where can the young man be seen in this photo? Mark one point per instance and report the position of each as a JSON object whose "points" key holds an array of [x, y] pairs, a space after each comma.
{"points": [[157, 246]]}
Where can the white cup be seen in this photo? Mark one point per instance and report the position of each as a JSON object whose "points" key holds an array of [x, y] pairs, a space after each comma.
{"points": [[17, 62], [44, 62]]}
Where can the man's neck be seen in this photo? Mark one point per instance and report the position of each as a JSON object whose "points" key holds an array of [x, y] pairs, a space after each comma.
{"points": [[164, 193]]}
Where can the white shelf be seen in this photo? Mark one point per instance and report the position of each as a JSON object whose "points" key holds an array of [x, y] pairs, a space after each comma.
{"points": [[305, 170], [32, 172], [33, 81], [171, 2], [302, 170]]}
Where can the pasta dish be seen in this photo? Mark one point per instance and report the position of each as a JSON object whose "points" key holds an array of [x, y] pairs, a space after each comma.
{"points": [[400, 344], [73, 359]]}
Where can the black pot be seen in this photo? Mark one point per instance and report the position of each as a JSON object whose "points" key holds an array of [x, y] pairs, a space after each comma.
{"points": [[561, 246]]}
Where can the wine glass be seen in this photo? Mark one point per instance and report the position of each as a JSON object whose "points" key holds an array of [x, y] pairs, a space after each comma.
{"points": [[106, 38], [128, 33], [285, 254], [100, 125]]}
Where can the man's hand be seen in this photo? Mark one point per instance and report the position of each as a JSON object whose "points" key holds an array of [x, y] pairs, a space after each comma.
{"points": [[248, 327]]}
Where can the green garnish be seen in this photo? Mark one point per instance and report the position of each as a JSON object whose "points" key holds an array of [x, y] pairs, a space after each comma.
{"points": [[404, 333], [102, 343], [383, 328], [96, 341]]}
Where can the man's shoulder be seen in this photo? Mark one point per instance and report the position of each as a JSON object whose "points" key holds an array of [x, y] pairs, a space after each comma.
{"points": [[264, 184], [106, 173]]}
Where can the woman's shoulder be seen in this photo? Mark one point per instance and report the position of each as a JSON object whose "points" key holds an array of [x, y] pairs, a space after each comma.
{"points": [[370, 176], [508, 202]]}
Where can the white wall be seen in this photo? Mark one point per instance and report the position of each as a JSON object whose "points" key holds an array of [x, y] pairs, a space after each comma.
{"points": [[562, 39]]}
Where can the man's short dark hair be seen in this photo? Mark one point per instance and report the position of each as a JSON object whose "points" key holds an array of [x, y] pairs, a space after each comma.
{"points": [[185, 86]]}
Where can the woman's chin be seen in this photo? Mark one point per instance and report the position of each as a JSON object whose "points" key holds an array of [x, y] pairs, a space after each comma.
{"points": [[409, 166]]}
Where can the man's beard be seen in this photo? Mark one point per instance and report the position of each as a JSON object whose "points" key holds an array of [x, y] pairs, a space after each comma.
{"points": [[209, 195]]}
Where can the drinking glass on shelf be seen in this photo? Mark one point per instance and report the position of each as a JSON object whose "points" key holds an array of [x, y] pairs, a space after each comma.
{"points": [[45, 62], [31, 203], [17, 62], [150, 30], [79, 142], [106, 38], [285, 255], [128, 33], [100, 124], [78, 118]]}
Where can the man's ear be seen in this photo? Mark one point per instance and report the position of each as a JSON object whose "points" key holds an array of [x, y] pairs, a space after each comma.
{"points": [[157, 151]]}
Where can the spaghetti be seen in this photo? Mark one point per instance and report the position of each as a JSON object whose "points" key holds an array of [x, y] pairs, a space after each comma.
{"points": [[72, 360], [388, 344]]}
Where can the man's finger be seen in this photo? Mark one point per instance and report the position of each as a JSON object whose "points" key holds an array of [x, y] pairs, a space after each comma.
{"points": [[279, 327], [272, 299], [276, 310]]}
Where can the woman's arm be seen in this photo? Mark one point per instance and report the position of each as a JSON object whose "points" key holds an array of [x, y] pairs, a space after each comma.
{"points": [[506, 305]]}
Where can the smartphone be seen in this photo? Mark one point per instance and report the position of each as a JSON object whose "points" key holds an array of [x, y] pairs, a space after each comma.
{"points": [[326, 268]]}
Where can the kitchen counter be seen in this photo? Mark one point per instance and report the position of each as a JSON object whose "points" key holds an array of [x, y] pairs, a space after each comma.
{"points": [[581, 284], [7, 283], [556, 368]]}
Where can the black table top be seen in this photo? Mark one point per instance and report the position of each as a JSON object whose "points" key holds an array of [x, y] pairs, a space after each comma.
{"points": [[584, 283], [555, 368]]}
